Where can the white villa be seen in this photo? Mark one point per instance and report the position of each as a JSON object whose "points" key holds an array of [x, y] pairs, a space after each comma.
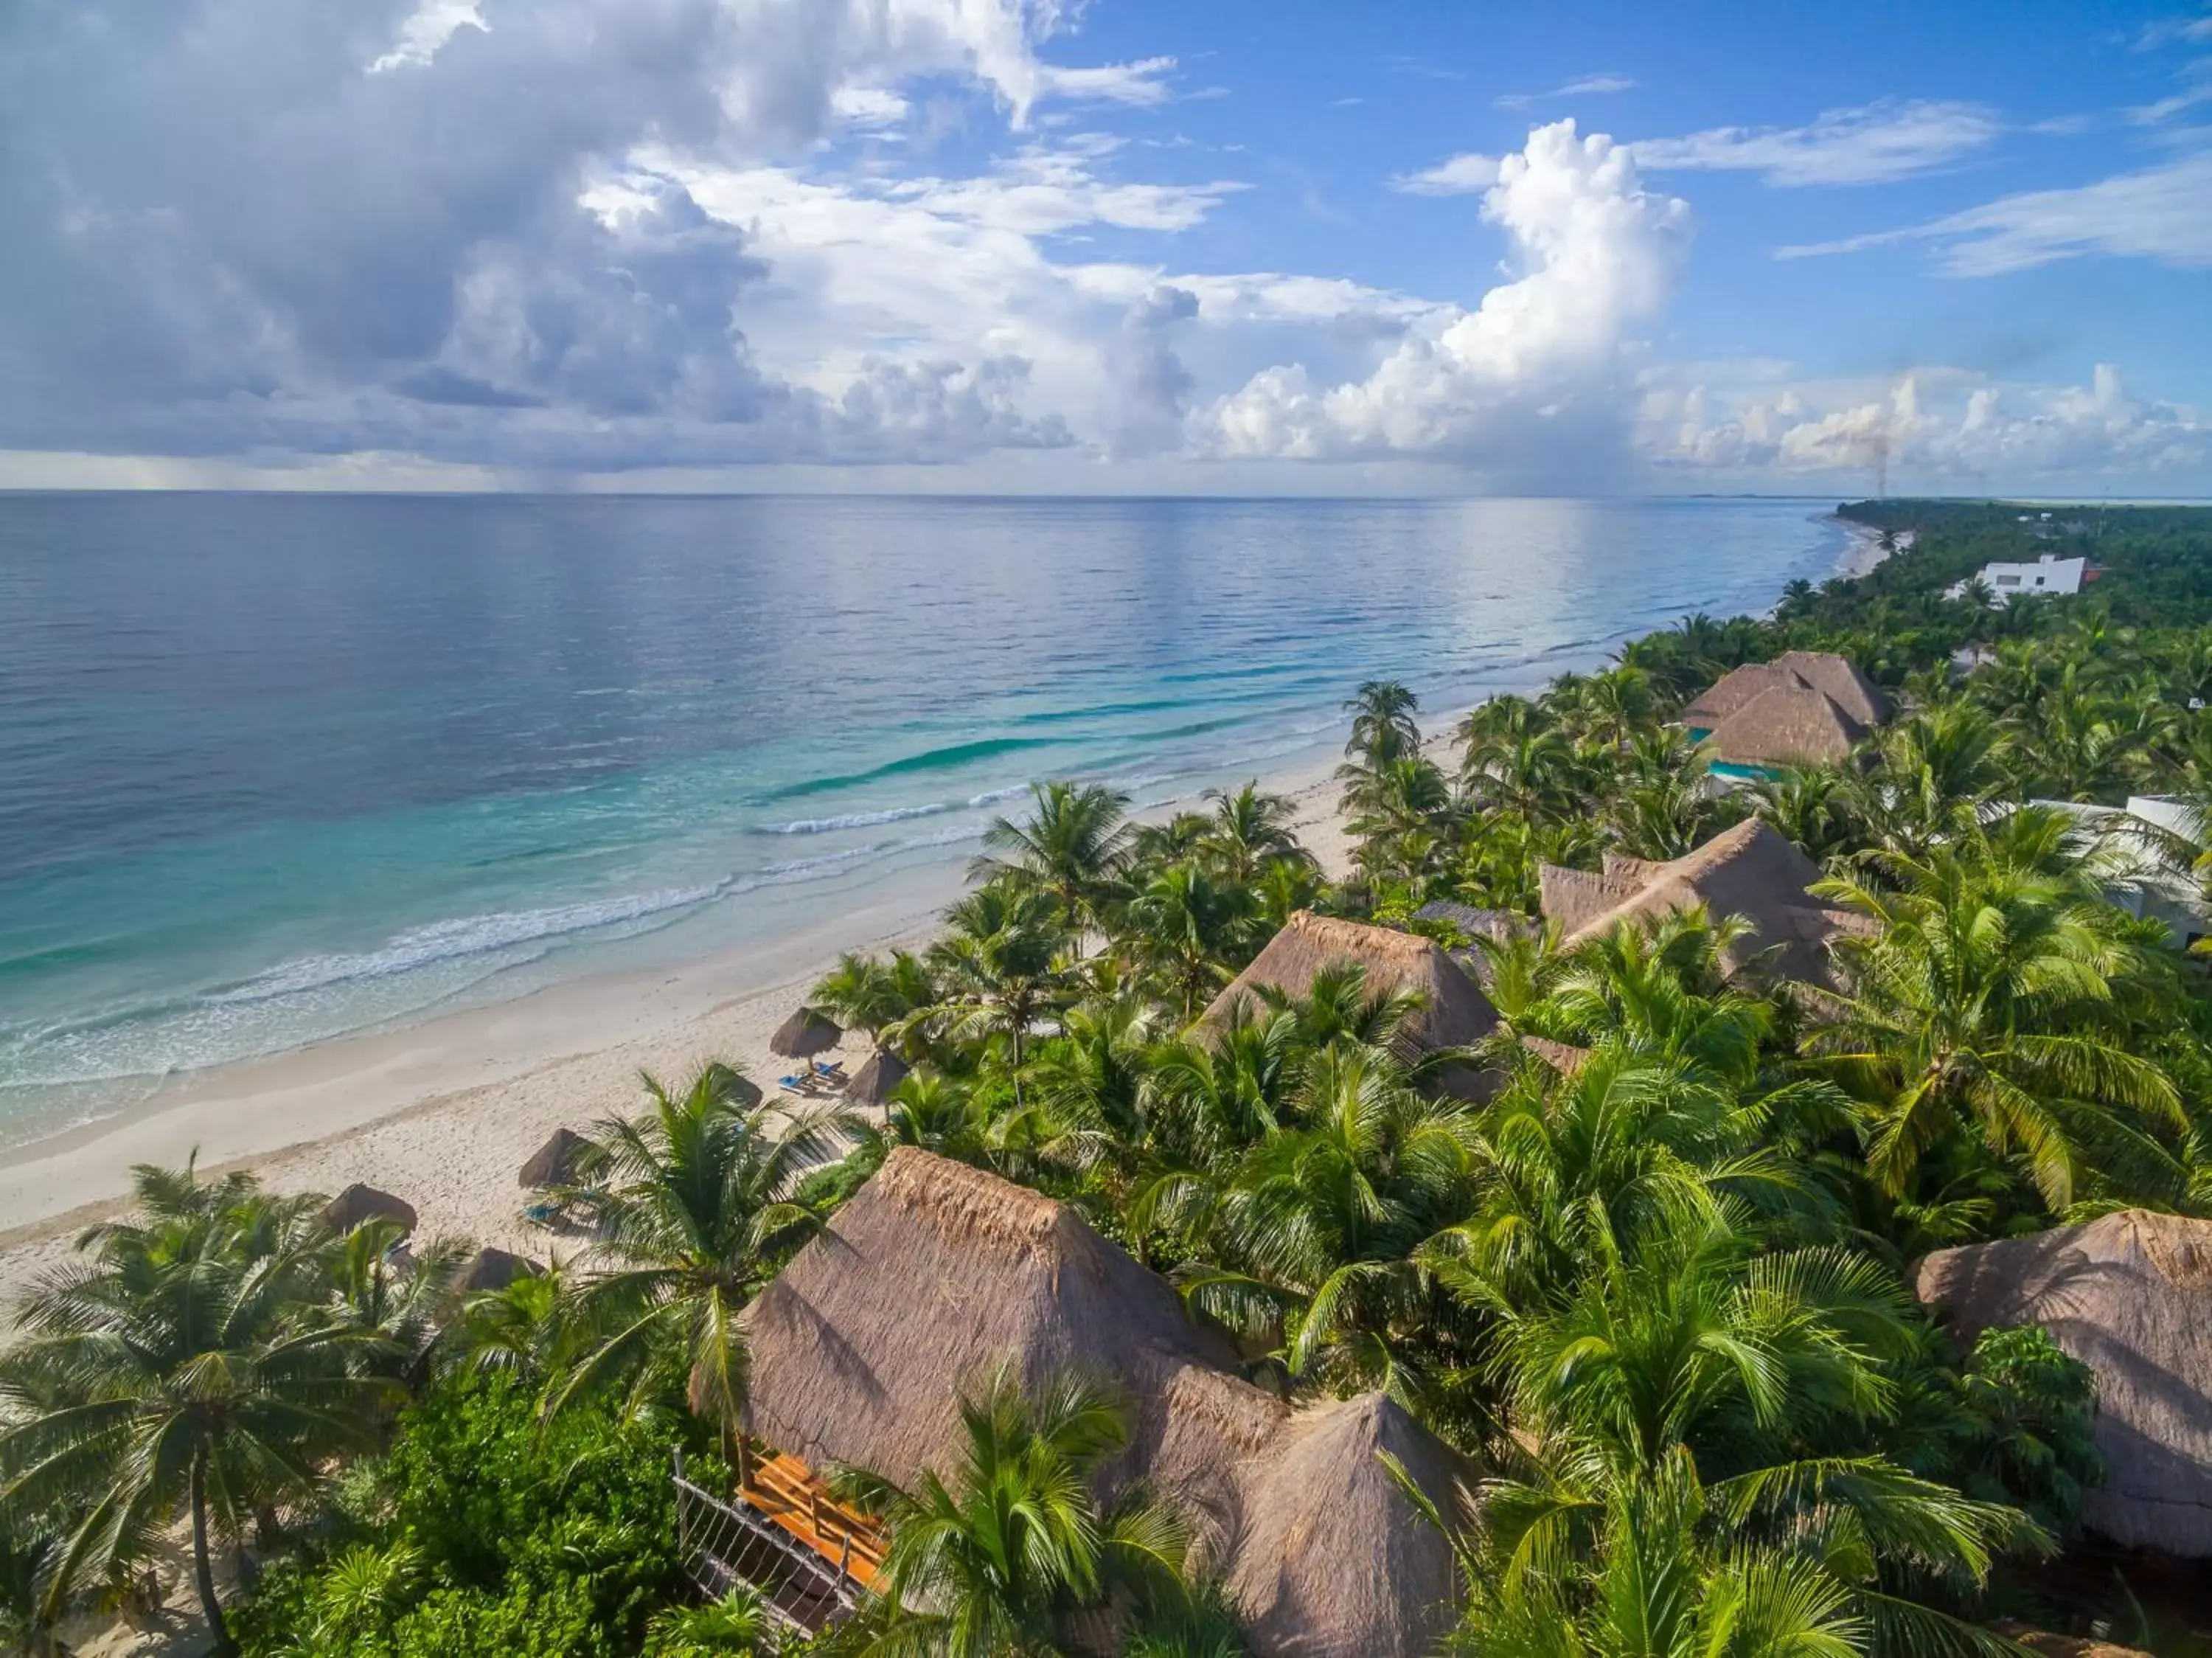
{"points": [[2048, 574]]}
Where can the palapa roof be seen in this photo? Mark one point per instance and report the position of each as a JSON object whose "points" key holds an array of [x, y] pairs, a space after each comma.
{"points": [[1840, 678], [872, 1083], [1454, 1013], [1751, 870], [2129, 1295], [1836, 677], [495, 1269], [1785, 725], [934, 1273], [552, 1163], [1562, 1057], [808, 1032], [358, 1204]]}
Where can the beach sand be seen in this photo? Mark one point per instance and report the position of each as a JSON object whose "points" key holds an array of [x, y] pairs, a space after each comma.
{"points": [[445, 1113]]}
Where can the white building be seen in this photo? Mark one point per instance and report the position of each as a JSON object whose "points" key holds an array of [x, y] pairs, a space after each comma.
{"points": [[2141, 876], [2048, 574]]}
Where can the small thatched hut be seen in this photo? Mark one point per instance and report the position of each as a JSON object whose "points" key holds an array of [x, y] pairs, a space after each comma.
{"points": [[1785, 725], [872, 1085], [2129, 1295], [806, 1033], [1453, 1011], [554, 1162], [495, 1269], [935, 1273], [1750, 870], [358, 1204]]}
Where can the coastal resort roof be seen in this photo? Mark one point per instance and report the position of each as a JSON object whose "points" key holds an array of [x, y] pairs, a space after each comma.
{"points": [[1454, 1012], [358, 1204], [1562, 1057], [552, 1163], [495, 1269], [872, 1085], [806, 1033], [1838, 678], [1785, 725], [935, 1274], [2129, 1295], [1750, 870]]}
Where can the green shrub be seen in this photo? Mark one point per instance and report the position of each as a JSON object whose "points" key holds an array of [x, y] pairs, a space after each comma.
{"points": [[2033, 1410], [487, 1533]]}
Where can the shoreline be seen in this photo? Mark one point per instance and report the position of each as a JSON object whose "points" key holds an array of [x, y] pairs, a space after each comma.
{"points": [[444, 1111]]}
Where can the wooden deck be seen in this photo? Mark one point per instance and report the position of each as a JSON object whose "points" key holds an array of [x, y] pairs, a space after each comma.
{"points": [[791, 1495]]}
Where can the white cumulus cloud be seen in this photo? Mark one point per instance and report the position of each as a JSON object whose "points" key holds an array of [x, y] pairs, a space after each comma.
{"points": [[1533, 375]]}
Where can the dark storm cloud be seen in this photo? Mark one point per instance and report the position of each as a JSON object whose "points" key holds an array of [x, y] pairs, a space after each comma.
{"points": [[228, 233]]}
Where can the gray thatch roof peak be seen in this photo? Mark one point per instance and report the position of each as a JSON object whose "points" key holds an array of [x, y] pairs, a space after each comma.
{"points": [[1455, 1013], [1751, 870], [1839, 678], [1785, 725], [934, 1274], [2129, 1295], [808, 1032], [552, 1163], [359, 1203]]}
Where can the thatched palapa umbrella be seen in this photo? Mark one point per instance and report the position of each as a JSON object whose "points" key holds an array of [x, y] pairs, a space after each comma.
{"points": [[555, 1160], [358, 1202], [872, 1085], [806, 1033], [495, 1269]]}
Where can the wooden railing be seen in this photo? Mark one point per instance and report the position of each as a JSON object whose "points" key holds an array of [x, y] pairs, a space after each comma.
{"points": [[793, 1497]]}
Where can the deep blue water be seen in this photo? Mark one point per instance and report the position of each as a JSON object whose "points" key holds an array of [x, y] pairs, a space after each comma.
{"points": [[277, 767]]}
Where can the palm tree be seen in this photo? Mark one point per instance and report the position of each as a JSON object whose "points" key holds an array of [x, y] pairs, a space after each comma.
{"points": [[1191, 931], [1072, 847], [1003, 1559], [1690, 1430], [1319, 1227], [1809, 805], [1250, 830], [1992, 997], [867, 994], [195, 1364], [997, 968], [1382, 727], [692, 1209]]}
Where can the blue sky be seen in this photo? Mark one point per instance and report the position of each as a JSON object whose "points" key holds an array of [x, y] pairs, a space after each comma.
{"points": [[1004, 244]]}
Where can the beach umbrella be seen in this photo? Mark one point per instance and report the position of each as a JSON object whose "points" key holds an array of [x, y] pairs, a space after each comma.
{"points": [[872, 1083], [555, 1160], [358, 1204], [806, 1033], [495, 1269]]}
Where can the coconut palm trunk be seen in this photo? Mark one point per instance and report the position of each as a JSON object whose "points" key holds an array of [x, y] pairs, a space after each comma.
{"points": [[203, 1566]]}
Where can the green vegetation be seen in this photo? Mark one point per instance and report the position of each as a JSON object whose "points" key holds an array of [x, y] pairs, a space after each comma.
{"points": [[1657, 1294]]}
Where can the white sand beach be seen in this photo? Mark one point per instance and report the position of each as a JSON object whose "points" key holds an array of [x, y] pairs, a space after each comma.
{"points": [[445, 1113]]}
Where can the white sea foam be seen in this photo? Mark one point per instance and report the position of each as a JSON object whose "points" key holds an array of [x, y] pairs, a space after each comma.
{"points": [[859, 820]]}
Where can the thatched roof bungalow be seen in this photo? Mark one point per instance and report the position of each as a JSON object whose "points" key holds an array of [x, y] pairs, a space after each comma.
{"points": [[1453, 1011], [1783, 725], [1751, 870], [495, 1269], [2129, 1295], [1838, 678], [935, 1273]]}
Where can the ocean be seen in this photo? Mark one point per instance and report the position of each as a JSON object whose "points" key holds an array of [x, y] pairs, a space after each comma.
{"points": [[273, 769]]}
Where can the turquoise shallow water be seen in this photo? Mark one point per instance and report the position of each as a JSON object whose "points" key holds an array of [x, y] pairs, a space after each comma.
{"points": [[276, 768]]}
